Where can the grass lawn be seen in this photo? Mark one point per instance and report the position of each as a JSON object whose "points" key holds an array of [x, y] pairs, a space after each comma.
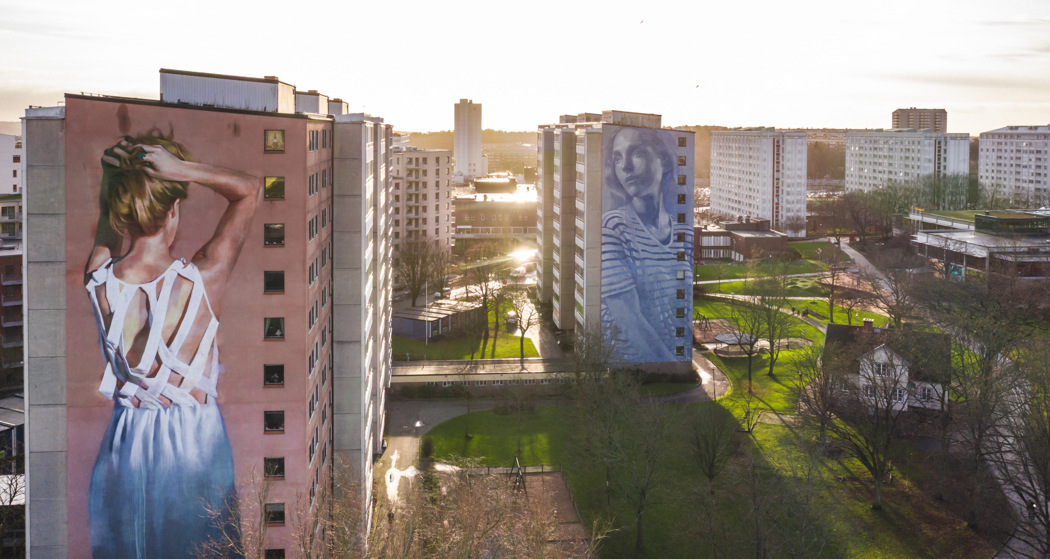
{"points": [[458, 347], [661, 388], [808, 249], [738, 270], [545, 432], [806, 286], [818, 309]]}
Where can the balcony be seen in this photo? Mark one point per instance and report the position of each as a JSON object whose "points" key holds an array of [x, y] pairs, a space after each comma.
{"points": [[10, 279], [8, 321], [11, 300], [12, 341], [10, 217], [12, 364]]}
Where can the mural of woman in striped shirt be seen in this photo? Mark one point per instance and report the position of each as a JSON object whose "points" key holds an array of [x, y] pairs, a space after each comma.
{"points": [[643, 246]]}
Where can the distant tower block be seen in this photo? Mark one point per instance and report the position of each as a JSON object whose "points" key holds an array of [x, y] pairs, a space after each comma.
{"points": [[466, 145], [932, 119]]}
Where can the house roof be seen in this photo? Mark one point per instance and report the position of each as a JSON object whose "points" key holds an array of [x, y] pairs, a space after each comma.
{"points": [[927, 353]]}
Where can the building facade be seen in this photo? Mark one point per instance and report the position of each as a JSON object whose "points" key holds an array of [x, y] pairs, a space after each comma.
{"points": [[303, 325], [466, 141], [928, 119], [12, 168], [503, 217], [761, 173], [421, 185], [615, 233], [1014, 163], [879, 157]]}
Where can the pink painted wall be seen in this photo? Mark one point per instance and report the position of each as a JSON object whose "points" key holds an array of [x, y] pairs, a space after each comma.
{"points": [[234, 141]]}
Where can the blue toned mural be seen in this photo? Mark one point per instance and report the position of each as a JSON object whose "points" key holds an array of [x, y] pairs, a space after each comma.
{"points": [[647, 244]]}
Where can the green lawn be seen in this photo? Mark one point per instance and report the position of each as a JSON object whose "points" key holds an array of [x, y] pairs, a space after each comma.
{"points": [[545, 432], [808, 249], [805, 286], [818, 309], [458, 347], [738, 270]]}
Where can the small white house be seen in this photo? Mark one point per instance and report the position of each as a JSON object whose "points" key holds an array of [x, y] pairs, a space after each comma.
{"points": [[904, 369]]}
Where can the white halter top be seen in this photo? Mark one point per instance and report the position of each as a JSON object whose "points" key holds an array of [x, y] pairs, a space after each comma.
{"points": [[121, 382]]}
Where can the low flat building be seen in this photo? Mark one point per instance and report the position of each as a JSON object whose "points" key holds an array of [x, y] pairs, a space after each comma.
{"points": [[495, 215], [738, 241], [1015, 243]]}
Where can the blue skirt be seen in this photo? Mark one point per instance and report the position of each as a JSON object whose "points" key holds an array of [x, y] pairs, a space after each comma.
{"points": [[162, 483]]}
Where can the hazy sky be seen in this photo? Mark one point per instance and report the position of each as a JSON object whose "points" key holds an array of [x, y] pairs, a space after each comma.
{"points": [[744, 63]]}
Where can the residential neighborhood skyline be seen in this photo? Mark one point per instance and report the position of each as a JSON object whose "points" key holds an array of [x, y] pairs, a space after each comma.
{"points": [[770, 65]]}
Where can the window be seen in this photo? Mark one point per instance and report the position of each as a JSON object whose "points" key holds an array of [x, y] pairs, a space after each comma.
{"points": [[869, 390], [16, 159], [681, 161], [273, 375], [679, 313], [274, 513], [680, 294], [273, 281], [679, 351], [679, 237], [682, 142], [274, 140], [273, 327], [273, 421], [274, 554], [679, 332], [925, 392], [273, 234], [681, 274], [681, 256], [274, 187], [881, 369], [681, 218], [681, 198], [273, 467]]}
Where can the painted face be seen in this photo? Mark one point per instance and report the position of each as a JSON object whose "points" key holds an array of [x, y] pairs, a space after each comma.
{"points": [[637, 165]]}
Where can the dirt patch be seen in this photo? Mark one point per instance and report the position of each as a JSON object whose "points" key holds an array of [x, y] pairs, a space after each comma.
{"points": [[570, 530], [706, 331]]}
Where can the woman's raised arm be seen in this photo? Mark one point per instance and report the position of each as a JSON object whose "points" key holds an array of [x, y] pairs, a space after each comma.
{"points": [[217, 258], [107, 241]]}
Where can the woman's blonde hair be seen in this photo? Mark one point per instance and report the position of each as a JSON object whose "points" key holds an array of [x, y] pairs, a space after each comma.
{"points": [[138, 204]]}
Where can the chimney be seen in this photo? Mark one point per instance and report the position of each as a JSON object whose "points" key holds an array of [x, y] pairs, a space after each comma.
{"points": [[869, 326]]}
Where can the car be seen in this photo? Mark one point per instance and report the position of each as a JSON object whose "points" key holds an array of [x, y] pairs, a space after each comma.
{"points": [[512, 321]]}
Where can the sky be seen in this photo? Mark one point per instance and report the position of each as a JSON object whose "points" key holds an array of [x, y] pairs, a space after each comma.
{"points": [[746, 63]]}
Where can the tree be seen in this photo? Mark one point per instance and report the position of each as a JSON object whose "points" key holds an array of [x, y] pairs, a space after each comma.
{"points": [[852, 299], [421, 264], [1021, 453], [817, 385], [527, 316], [771, 298], [749, 321], [795, 224], [832, 258], [485, 276], [871, 401], [891, 288], [860, 212], [712, 438], [241, 520]]}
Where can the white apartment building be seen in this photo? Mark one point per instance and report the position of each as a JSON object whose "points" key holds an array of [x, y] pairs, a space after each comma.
{"points": [[878, 157], [421, 187], [466, 141], [1014, 162], [592, 227], [12, 166], [760, 172]]}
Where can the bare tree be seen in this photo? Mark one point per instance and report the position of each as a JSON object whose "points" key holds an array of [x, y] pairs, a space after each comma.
{"points": [[485, 277], [861, 212], [749, 321], [891, 288], [422, 264], [527, 316], [241, 522], [712, 437], [771, 299], [832, 258], [869, 406], [817, 386], [1021, 453], [795, 224], [851, 300]]}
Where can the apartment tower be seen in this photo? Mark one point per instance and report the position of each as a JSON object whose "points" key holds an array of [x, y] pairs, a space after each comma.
{"points": [[466, 141], [304, 319], [1014, 164], [928, 119], [875, 158]]}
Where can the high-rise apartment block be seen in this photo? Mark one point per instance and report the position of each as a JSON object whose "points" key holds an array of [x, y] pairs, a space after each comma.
{"points": [[615, 229], [303, 326], [761, 173], [1014, 163], [11, 166], [921, 119], [466, 141], [879, 157], [421, 186]]}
